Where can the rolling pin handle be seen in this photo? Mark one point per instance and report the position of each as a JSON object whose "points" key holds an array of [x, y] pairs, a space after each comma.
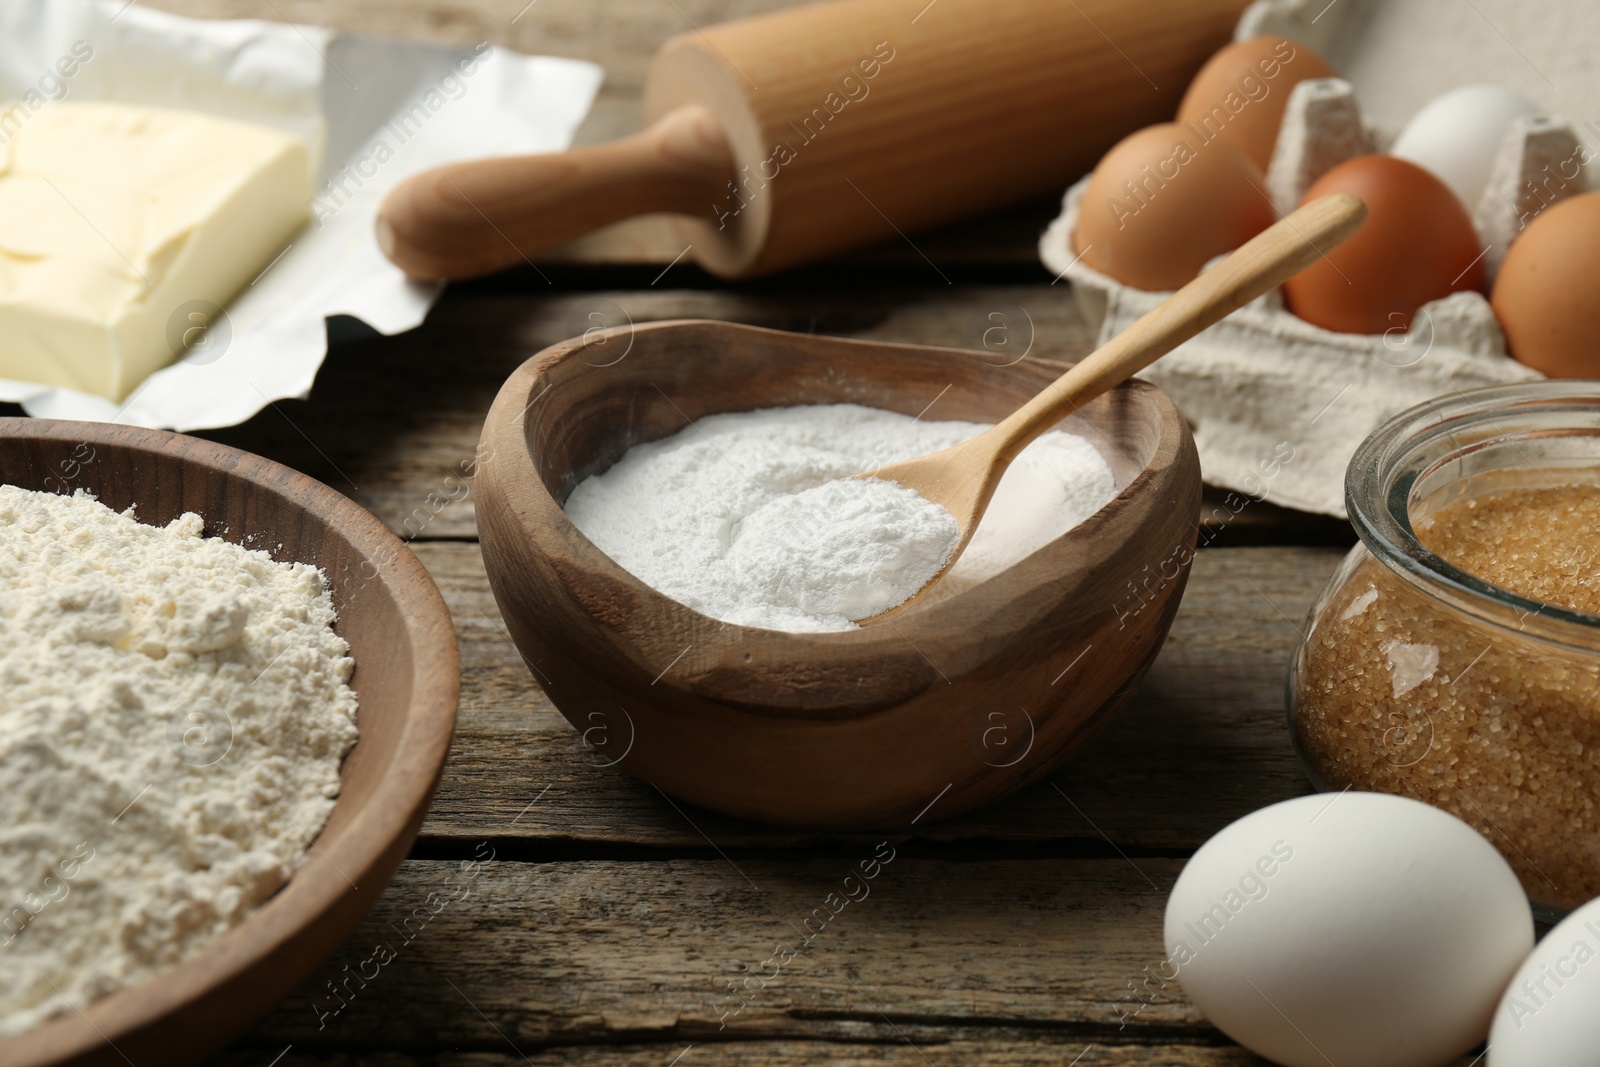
{"points": [[466, 219]]}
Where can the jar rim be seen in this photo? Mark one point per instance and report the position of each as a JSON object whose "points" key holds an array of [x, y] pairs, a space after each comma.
{"points": [[1378, 490]]}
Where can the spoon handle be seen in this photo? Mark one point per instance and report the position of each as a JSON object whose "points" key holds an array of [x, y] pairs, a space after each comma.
{"points": [[1264, 262]]}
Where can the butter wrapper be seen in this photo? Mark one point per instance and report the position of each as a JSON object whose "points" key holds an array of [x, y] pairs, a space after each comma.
{"points": [[373, 111]]}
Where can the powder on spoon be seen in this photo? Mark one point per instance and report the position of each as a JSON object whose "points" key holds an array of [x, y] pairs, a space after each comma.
{"points": [[743, 516]]}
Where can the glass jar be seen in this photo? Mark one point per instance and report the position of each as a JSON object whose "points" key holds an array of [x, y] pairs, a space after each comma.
{"points": [[1416, 678]]}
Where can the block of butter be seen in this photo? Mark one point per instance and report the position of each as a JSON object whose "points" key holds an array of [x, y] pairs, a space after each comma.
{"points": [[123, 228]]}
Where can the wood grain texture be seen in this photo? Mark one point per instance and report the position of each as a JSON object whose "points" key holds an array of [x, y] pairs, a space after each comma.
{"points": [[395, 426], [946, 960], [602, 880], [470, 218], [622, 36], [544, 952], [860, 729], [406, 680], [963, 479], [855, 121], [823, 147], [1206, 722]]}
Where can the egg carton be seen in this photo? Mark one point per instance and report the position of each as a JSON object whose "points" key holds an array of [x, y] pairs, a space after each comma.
{"points": [[1277, 405]]}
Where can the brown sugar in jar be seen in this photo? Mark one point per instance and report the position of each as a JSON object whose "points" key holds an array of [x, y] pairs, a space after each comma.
{"points": [[1455, 656], [1540, 542]]}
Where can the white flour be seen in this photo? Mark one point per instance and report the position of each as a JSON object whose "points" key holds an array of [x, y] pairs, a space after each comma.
{"points": [[173, 712], [735, 516]]}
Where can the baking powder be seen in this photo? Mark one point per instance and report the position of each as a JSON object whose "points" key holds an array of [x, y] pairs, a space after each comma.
{"points": [[741, 516]]}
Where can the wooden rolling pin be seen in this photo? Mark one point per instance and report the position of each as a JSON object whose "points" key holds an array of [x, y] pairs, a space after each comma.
{"points": [[790, 137]]}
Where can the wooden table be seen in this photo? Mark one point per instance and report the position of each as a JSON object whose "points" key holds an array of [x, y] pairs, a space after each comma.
{"points": [[610, 922]]}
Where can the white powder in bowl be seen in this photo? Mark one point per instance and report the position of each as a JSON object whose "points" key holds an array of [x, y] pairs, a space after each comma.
{"points": [[741, 516], [845, 549], [173, 713]]}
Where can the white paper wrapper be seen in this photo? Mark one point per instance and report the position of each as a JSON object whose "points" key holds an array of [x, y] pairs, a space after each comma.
{"points": [[374, 111]]}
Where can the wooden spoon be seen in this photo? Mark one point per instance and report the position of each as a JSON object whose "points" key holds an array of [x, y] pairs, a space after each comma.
{"points": [[963, 479]]}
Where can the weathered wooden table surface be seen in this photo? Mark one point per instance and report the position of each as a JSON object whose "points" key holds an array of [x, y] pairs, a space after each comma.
{"points": [[611, 924]]}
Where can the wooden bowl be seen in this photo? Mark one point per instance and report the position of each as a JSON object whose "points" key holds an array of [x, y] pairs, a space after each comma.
{"points": [[955, 702], [407, 677]]}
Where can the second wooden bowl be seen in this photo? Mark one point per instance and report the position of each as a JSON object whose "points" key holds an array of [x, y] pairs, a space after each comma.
{"points": [[956, 702], [406, 679]]}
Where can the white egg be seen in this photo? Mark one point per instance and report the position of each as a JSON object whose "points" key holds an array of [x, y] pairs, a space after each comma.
{"points": [[1349, 928], [1457, 135], [1550, 1015]]}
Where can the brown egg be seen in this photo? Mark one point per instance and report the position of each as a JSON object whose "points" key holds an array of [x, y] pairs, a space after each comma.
{"points": [[1417, 245], [1240, 94], [1547, 297], [1160, 205]]}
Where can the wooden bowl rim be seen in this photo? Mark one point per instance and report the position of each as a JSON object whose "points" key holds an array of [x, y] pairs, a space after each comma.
{"points": [[317, 885], [543, 520]]}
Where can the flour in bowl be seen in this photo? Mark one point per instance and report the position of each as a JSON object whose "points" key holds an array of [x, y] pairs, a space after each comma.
{"points": [[743, 516], [173, 713]]}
